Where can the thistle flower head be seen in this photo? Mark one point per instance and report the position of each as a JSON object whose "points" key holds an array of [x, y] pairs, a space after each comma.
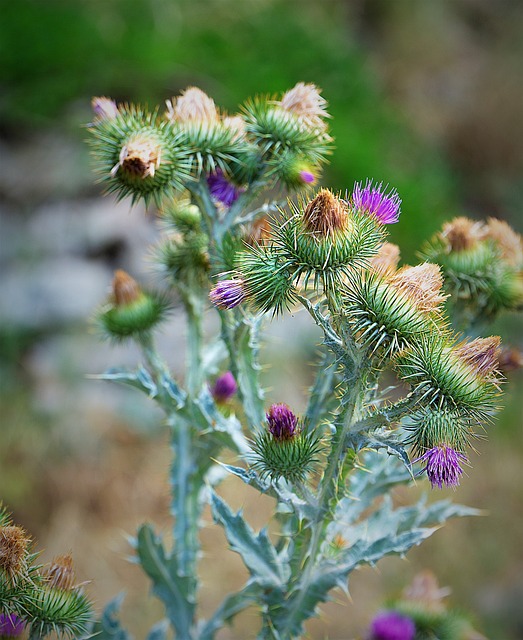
{"points": [[305, 101], [372, 199], [462, 233], [221, 189], [509, 243], [443, 466], [482, 354], [391, 625], [325, 214], [193, 105], [14, 550], [236, 124], [228, 294], [422, 284], [125, 289], [282, 422], [104, 108], [387, 258], [259, 232], [11, 626], [224, 388], [60, 573]]}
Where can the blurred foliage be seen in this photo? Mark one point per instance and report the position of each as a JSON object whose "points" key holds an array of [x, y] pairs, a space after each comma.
{"points": [[151, 49]]}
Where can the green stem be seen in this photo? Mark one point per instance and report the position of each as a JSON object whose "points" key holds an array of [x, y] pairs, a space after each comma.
{"points": [[194, 306]]}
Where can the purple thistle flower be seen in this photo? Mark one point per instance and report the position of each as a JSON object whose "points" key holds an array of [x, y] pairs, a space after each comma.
{"points": [[307, 177], [391, 625], [372, 199], [282, 422], [11, 626], [443, 466], [221, 189], [228, 294], [224, 387]]}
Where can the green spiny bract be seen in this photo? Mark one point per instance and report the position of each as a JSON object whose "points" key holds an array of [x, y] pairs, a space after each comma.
{"points": [[293, 170], [323, 246], [385, 314], [139, 155], [432, 427], [181, 216], [131, 311], [276, 129], [292, 459], [441, 377], [185, 259], [434, 623], [267, 279], [64, 612]]}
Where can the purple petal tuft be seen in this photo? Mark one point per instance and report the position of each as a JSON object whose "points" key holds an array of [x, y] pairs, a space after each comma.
{"points": [[373, 199]]}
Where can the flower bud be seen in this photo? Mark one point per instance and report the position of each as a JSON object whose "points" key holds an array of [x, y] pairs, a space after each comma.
{"points": [[131, 311], [284, 450], [224, 388], [391, 625], [60, 573], [443, 466], [228, 294]]}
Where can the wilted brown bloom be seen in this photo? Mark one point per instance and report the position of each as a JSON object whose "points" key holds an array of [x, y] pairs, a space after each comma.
{"points": [[482, 354], [259, 232], [387, 258], [193, 105], [104, 108], [60, 573], [510, 359], [140, 157], [236, 124], [422, 284], [305, 101], [14, 543], [462, 233], [325, 214], [508, 241], [125, 289]]}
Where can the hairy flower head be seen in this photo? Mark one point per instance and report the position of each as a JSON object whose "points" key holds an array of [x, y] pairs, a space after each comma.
{"points": [[14, 550], [391, 625], [387, 258], [482, 354], [306, 102], [422, 284], [11, 626], [193, 105], [443, 466], [140, 157], [282, 422], [372, 199], [462, 233], [104, 108], [60, 573], [509, 243], [228, 294]]}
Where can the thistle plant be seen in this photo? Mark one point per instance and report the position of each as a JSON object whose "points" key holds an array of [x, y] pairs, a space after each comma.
{"points": [[247, 234]]}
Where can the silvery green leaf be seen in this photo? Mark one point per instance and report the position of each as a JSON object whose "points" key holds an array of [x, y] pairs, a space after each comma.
{"points": [[232, 604], [228, 425], [159, 631], [173, 390], [109, 627], [388, 440], [257, 551], [171, 588], [140, 379]]}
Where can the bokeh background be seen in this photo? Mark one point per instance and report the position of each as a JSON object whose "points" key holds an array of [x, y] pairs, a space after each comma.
{"points": [[425, 95]]}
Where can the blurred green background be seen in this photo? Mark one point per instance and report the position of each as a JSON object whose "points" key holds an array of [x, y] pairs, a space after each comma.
{"points": [[425, 95]]}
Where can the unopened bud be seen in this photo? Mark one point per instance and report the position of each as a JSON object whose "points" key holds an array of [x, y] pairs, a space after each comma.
{"points": [[125, 289]]}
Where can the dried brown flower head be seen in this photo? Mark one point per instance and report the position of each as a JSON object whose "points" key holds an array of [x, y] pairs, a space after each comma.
{"points": [[104, 108], [482, 354], [508, 241], [259, 232], [140, 157], [510, 359], [60, 573], [325, 214], [236, 124], [387, 258], [193, 105], [462, 233], [125, 289], [14, 545], [422, 284], [305, 101]]}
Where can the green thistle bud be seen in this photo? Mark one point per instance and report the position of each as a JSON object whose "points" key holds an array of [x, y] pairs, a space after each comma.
{"points": [[325, 240], [389, 311], [58, 606], [267, 280], [181, 216], [459, 378], [131, 311], [293, 170], [429, 428], [138, 155], [185, 259], [284, 450]]}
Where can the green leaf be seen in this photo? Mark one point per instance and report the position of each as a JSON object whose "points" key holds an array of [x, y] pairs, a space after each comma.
{"points": [[159, 631], [108, 627], [257, 552], [232, 604], [140, 379], [171, 588]]}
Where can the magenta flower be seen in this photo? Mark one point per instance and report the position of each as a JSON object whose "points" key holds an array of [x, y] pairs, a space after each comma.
{"points": [[221, 189], [307, 177], [11, 626], [443, 466], [373, 199], [282, 422], [224, 387], [228, 294], [391, 625]]}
